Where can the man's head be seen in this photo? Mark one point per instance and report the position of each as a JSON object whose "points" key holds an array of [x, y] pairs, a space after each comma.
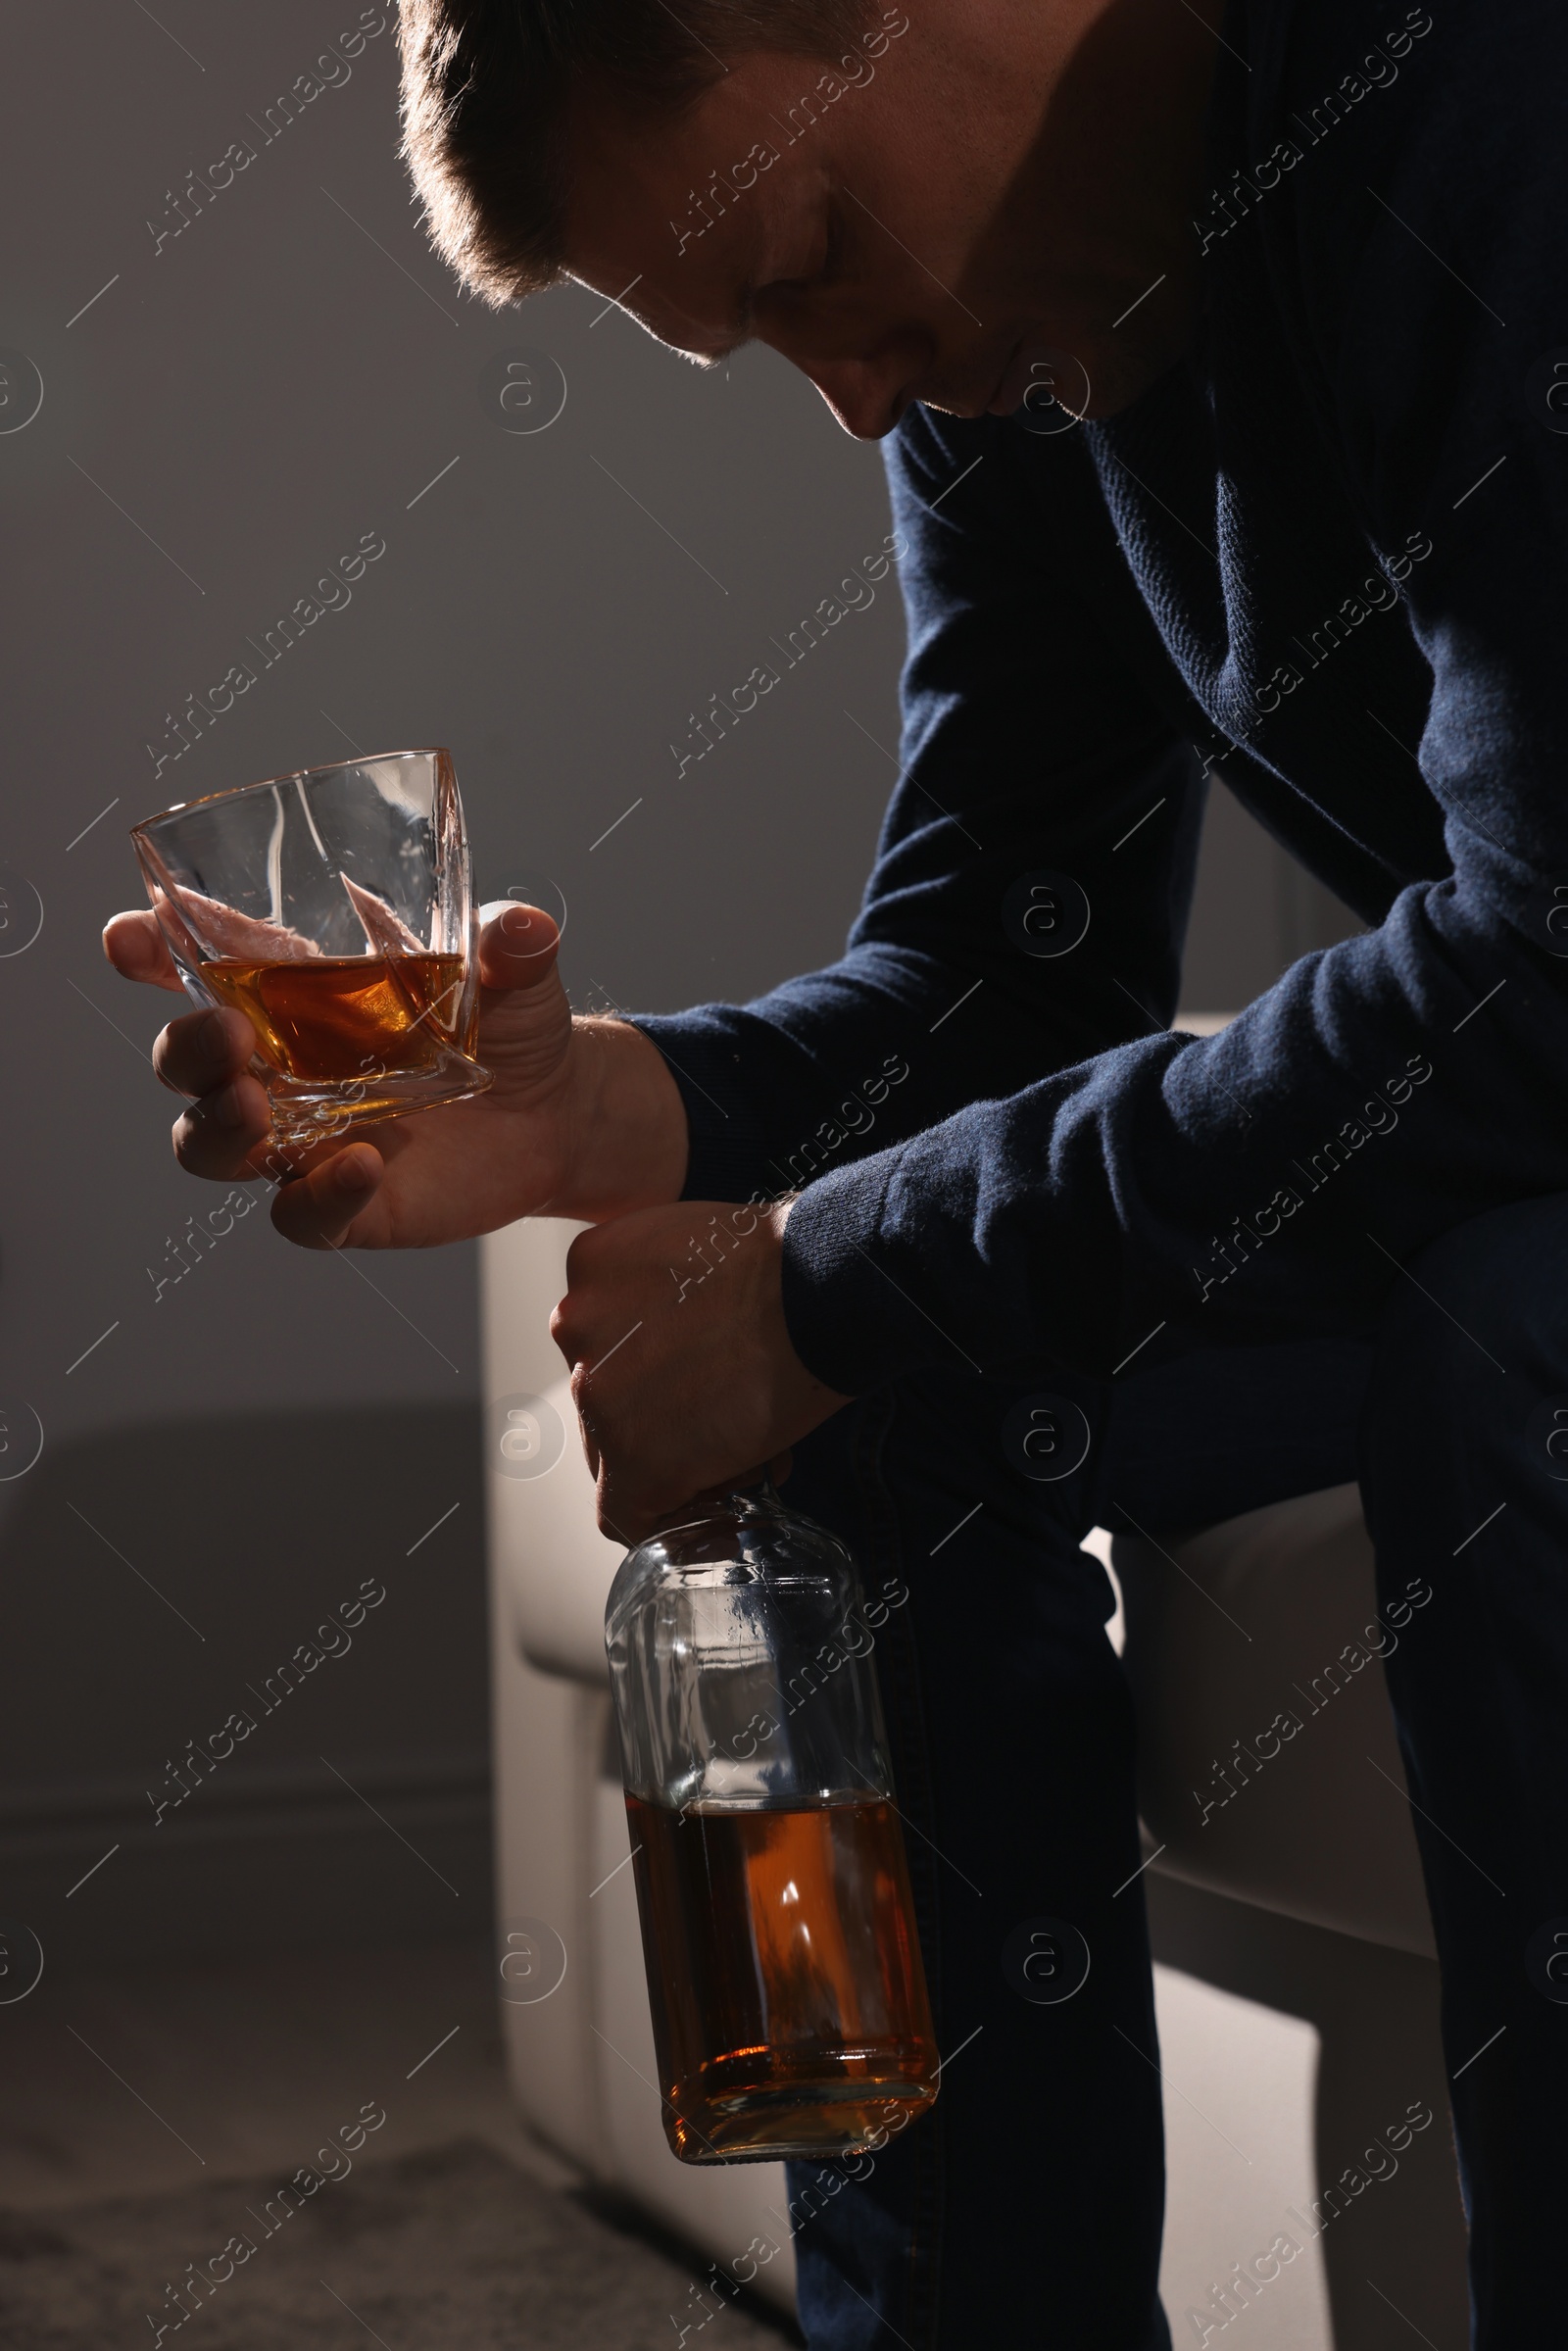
{"points": [[951, 203]]}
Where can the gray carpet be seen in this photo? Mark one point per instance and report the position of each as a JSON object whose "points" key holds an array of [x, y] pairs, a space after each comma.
{"points": [[448, 2250]]}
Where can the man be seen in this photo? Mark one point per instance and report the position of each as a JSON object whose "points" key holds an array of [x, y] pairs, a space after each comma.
{"points": [[1225, 369]]}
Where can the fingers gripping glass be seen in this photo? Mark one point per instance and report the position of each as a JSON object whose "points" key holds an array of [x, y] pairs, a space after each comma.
{"points": [[334, 909]]}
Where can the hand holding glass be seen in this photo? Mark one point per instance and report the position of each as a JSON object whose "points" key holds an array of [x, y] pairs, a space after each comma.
{"points": [[334, 907]]}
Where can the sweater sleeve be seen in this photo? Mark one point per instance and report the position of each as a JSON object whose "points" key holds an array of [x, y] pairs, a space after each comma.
{"points": [[1272, 1181], [1028, 902]]}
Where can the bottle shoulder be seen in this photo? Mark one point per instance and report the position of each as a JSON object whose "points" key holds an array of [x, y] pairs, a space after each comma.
{"points": [[779, 1555]]}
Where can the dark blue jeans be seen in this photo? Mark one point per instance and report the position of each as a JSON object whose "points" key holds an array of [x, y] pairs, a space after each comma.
{"points": [[1026, 2208]]}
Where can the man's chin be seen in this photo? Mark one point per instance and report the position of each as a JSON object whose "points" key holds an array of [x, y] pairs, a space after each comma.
{"points": [[1037, 382], [951, 404], [1051, 392]]}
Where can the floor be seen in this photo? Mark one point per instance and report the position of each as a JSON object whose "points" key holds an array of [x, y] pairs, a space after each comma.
{"points": [[172, 2081], [156, 2080], [135, 2079]]}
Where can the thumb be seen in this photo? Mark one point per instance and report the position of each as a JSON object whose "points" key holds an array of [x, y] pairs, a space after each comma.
{"points": [[516, 944], [137, 948]]}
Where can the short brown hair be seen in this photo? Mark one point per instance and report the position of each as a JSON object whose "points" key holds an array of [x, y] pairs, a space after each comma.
{"points": [[486, 85]]}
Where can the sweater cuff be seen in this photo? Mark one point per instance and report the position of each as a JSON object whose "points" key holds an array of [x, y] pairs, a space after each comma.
{"points": [[850, 1322], [726, 1136], [851, 1325]]}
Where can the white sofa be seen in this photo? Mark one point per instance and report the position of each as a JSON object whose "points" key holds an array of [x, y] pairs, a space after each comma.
{"points": [[1295, 1982]]}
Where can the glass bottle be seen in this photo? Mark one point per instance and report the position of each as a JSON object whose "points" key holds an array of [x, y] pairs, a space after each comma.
{"points": [[784, 1974]]}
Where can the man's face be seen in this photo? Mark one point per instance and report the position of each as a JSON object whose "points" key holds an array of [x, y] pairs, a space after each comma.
{"points": [[988, 204]]}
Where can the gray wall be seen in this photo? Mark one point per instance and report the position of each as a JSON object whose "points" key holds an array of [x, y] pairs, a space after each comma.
{"points": [[1254, 911], [226, 411]]}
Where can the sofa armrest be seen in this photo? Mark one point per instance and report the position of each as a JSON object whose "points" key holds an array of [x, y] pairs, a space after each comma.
{"points": [[553, 1563], [1268, 1765]]}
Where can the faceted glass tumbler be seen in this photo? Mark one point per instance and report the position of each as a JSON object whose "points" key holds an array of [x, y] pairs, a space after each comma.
{"points": [[334, 909]]}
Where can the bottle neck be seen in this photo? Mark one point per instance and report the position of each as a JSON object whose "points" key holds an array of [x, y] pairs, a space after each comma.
{"points": [[753, 1492]]}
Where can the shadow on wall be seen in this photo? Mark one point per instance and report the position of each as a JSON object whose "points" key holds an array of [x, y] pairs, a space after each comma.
{"points": [[243, 1685]]}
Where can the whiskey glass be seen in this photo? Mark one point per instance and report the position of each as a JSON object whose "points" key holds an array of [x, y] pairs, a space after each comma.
{"points": [[334, 909]]}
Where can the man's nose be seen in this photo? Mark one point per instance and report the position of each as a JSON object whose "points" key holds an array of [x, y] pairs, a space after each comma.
{"points": [[869, 395], [867, 408]]}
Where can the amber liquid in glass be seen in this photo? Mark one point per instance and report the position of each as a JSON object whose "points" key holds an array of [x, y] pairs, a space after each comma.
{"points": [[789, 2001], [333, 1018]]}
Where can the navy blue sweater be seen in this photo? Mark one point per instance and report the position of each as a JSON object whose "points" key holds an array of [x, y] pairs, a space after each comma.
{"points": [[1329, 547]]}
